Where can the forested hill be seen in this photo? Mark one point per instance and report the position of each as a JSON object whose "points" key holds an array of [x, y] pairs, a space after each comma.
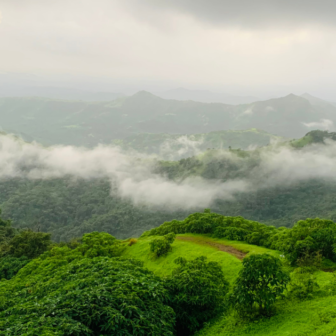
{"points": [[68, 207], [171, 146], [81, 123]]}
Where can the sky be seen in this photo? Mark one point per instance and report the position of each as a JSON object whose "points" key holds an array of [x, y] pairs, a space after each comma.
{"points": [[260, 47]]}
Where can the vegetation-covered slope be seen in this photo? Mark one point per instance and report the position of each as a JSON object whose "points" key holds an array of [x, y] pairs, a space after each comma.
{"points": [[87, 124], [69, 207], [169, 146], [101, 286]]}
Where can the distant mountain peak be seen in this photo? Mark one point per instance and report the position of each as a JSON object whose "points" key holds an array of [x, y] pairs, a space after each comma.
{"points": [[316, 101], [144, 93]]}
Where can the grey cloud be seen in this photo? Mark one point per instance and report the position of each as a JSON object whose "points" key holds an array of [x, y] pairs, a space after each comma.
{"points": [[247, 13]]}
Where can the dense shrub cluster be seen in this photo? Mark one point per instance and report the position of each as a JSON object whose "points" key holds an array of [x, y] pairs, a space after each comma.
{"points": [[86, 296], [9, 266], [162, 245], [197, 292], [306, 237]]}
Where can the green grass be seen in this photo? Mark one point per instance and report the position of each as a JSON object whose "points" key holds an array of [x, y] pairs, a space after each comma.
{"points": [[293, 318], [310, 317], [241, 246], [163, 266]]}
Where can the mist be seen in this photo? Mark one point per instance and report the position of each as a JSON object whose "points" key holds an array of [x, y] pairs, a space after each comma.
{"points": [[133, 174]]}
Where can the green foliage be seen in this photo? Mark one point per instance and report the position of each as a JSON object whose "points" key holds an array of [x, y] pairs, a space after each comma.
{"points": [[303, 284], [259, 284], [98, 296], [100, 244], [162, 245], [9, 266], [69, 208], [234, 228], [29, 244], [307, 242], [197, 292], [7, 232], [154, 143], [309, 237]]}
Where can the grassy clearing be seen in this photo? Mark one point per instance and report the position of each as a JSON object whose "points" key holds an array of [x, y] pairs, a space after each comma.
{"points": [[311, 317], [191, 249], [294, 318], [164, 265], [241, 246]]}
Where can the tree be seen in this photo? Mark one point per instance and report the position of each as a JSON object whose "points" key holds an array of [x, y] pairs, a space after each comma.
{"points": [[259, 283], [197, 290], [29, 244], [100, 244], [162, 245]]}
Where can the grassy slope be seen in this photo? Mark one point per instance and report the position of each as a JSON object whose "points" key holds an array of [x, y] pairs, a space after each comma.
{"points": [[311, 317], [163, 266]]}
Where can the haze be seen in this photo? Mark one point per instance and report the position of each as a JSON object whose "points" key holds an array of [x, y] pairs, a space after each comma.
{"points": [[269, 49]]}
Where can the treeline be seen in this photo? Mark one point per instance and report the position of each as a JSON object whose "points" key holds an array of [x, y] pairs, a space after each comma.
{"points": [[306, 241], [68, 208]]}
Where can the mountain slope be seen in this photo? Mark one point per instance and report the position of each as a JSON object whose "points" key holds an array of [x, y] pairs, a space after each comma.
{"points": [[81, 123], [171, 146], [205, 96]]}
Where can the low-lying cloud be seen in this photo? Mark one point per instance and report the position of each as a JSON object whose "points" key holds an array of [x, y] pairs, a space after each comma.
{"points": [[135, 178], [183, 146], [324, 124]]}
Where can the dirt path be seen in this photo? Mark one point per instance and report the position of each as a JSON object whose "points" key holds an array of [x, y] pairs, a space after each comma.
{"points": [[225, 248]]}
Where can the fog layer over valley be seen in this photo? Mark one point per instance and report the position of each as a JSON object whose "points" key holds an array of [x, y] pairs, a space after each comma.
{"points": [[113, 181]]}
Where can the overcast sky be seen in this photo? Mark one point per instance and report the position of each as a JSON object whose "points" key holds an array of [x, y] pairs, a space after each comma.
{"points": [[244, 45]]}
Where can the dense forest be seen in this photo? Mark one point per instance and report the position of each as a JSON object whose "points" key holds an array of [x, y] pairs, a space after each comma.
{"points": [[69, 207]]}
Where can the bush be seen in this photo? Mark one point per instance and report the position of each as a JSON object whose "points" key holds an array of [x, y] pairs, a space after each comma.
{"points": [[330, 288], [231, 233], [132, 241], [309, 237], [9, 266], [100, 244], [162, 245], [303, 284], [197, 292], [98, 296], [258, 285], [28, 244]]}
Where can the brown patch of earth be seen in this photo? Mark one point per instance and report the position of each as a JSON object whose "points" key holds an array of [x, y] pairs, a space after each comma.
{"points": [[225, 248]]}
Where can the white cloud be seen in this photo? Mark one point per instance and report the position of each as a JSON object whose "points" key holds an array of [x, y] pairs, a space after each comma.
{"points": [[133, 176], [248, 111], [184, 146], [324, 124]]}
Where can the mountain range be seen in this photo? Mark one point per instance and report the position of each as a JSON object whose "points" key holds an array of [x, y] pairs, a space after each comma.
{"points": [[80, 123], [206, 96]]}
